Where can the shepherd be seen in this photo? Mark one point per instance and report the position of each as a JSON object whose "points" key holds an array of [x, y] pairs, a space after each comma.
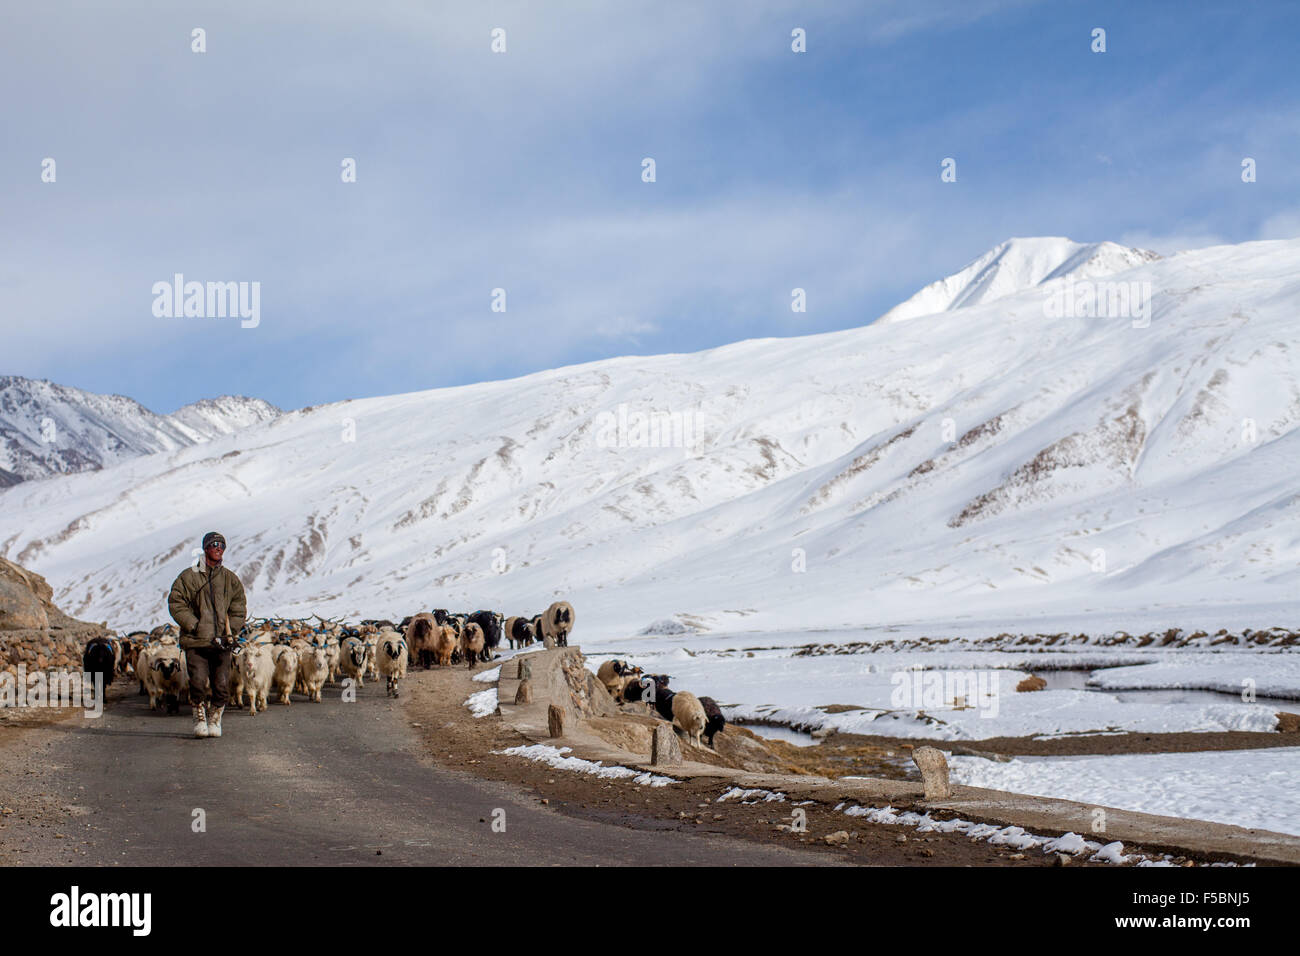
{"points": [[207, 602]]}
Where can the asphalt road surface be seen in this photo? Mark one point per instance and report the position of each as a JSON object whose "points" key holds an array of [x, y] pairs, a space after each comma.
{"points": [[330, 784]]}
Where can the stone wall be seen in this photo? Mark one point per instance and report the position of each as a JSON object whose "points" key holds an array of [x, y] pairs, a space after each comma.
{"points": [[32, 630]]}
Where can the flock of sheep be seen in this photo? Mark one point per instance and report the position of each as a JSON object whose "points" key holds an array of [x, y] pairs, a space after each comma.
{"points": [[274, 657], [696, 716]]}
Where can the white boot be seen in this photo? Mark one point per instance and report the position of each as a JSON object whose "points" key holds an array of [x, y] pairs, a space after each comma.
{"points": [[214, 721], [200, 722]]}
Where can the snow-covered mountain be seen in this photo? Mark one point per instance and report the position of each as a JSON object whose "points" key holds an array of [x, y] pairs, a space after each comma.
{"points": [[48, 429], [988, 460], [1015, 265]]}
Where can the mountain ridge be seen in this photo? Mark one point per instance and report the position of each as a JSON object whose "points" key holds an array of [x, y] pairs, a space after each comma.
{"points": [[48, 429], [988, 461]]}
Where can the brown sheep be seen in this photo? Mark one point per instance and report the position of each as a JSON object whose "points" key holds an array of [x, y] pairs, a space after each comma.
{"points": [[471, 643], [420, 637], [616, 675], [444, 644]]}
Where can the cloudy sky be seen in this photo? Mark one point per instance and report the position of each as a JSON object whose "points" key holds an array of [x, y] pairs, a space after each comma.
{"points": [[522, 170]]}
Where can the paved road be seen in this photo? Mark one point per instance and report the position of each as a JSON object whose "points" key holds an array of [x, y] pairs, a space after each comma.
{"points": [[323, 784]]}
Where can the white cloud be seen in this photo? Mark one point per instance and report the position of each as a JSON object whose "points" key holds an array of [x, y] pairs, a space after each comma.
{"points": [[625, 327], [1168, 243], [1282, 225]]}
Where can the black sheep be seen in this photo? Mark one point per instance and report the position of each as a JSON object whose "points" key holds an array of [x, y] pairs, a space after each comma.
{"points": [[639, 689], [714, 722], [632, 691], [99, 658], [664, 702], [522, 632], [490, 622]]}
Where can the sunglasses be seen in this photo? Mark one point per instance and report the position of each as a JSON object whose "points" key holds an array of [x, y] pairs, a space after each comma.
{"points": [[215, 547]]}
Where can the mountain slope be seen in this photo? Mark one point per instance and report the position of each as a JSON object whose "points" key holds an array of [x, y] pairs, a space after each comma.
{"points": [[988, 461], [1014, 266], [48, 429]]}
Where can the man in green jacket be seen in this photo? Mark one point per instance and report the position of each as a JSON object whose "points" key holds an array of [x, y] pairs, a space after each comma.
{"points": [[208, 604]]}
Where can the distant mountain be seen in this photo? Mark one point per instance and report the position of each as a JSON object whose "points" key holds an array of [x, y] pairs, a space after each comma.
{"points": [[1017, 265], [985, 461], [48, 429], [210, 417]]}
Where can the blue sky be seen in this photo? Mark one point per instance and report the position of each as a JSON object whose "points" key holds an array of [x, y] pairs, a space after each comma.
{"points": [[522, 171]]}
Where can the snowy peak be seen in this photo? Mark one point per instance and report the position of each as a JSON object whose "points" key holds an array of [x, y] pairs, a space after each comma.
{"points": [[1016, 265], [49, 429], [210, 417]]}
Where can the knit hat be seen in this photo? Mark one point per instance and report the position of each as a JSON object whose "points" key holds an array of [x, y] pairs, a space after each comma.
{"points": [[214, 537]]}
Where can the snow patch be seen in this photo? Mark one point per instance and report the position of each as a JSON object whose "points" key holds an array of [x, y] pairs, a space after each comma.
{"points": [[1071, 843], [484, 703], [555, 757], [752, 796]]}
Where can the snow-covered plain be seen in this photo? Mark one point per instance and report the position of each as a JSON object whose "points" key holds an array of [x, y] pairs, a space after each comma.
{"points": [[914, 693], [1249, 788]]}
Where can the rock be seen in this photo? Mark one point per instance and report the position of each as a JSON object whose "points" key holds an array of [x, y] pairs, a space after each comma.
{"points": [[1031, 683], [20, 608], [525, 670], [548, 643], [1288, 723], [934, 772], [1062, 859], [901, 838], [664, 747], [524, 695], [838, 838], [555, 720]]}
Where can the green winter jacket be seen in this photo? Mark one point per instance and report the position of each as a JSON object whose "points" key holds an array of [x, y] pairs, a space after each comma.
{"points": [[191, 604]]}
